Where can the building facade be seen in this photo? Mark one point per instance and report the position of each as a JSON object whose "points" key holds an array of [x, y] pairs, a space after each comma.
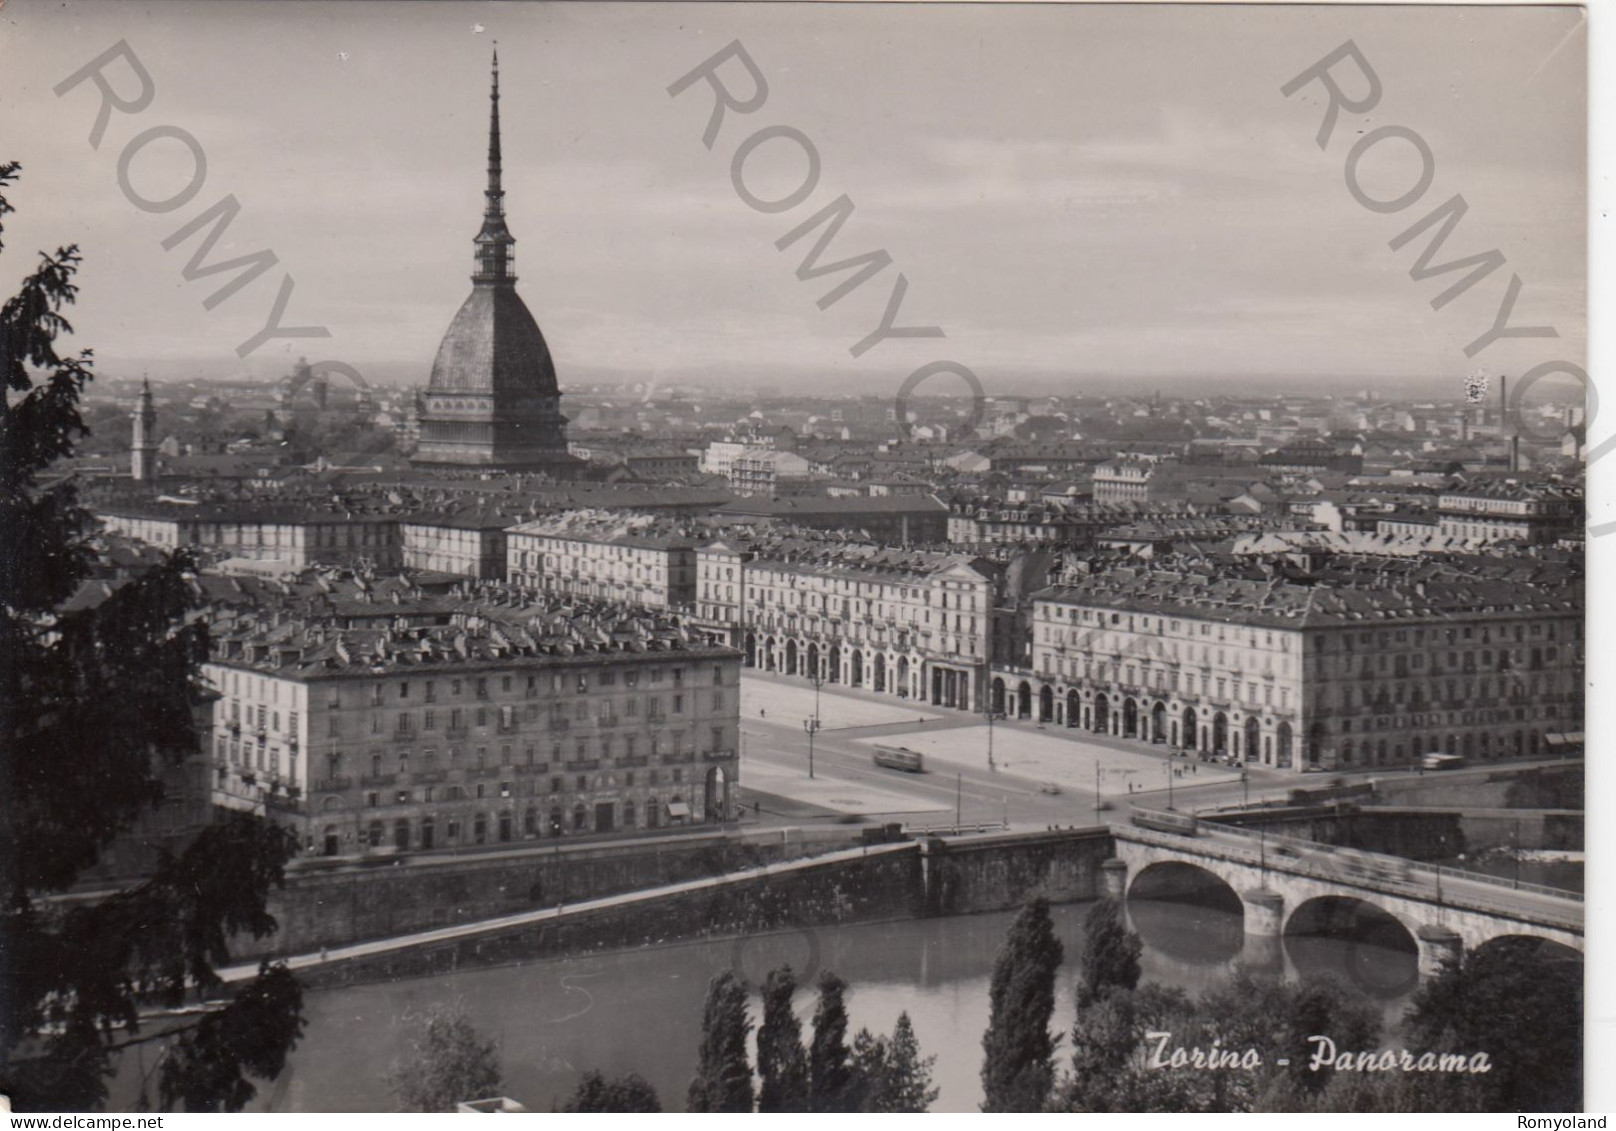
{"points": [[1297, 676], [483, 732], [1508, 511], [910, 624], [604, 557]]}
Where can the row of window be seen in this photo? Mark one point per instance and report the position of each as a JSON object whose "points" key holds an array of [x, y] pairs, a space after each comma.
{"points": [[506, 717], [605, 817], [583, 749], [427, 795]]}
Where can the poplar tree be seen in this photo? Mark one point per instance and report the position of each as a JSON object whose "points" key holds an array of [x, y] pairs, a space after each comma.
{"points": [[782, 1061], [1110, 954], [723, 1080], [96, 704], [830, 1073], [1018, 1066]]}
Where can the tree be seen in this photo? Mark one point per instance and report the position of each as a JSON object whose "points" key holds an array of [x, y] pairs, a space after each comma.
{"points": [[448, 1061], [97, 705], [723, 1079], [629, 1093], [1110, 955], [782, 1061], [1519, 1000], [1111, 1069], [906, 1084], [830, 1072], [1018, 1068], [867, 1066]]}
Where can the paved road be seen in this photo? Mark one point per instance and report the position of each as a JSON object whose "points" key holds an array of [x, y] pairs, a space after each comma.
{"points": [[776, 742]]}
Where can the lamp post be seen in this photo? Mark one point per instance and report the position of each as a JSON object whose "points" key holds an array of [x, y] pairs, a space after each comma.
{"points": [[1245, 785], [812, 727], [1168, 766]]}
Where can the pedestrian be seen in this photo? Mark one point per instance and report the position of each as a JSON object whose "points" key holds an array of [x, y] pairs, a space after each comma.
{"points": [[762, 712]]}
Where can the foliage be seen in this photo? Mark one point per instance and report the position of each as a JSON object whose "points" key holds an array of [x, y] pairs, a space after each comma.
{"points": [[1018, 1068], [1110, 955], [1110, 1065], [890, 1074], [1520, 1001], [96, 705], [1113, 1067], [831, 1083], [782, 1061], [723, 1080], [596, 1094], [448, 1061]]}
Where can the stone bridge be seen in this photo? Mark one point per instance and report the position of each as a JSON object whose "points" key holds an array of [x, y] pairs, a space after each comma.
{"points": [[1276, 877]]}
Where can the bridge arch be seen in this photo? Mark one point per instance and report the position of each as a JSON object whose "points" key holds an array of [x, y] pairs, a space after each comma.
{"points": [[1532, 948], [1378, 950], [1158, 896]]}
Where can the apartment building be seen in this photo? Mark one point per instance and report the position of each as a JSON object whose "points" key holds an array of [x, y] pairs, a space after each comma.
{"points": [[293, 534], [911, 624], [1512, 510], [515, 722], [1375, 669], [609, 557]]}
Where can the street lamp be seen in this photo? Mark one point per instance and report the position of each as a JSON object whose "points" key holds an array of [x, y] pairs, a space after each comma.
{"points": [[1168, 766], [812, 727], [1245, 785]]}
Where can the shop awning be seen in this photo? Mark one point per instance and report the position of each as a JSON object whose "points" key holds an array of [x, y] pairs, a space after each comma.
{"points": [[678, 809], [1556, 740]]}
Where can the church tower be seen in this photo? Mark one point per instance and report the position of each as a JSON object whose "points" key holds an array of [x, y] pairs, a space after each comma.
{"points": [[143, 445], [493, 400]]}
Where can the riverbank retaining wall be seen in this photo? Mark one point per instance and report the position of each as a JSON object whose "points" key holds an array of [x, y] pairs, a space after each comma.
{"points": [[353, 904], [934, 877]]}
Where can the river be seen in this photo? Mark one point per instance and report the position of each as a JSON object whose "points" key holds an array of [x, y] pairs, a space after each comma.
{"points": [[640, 1011]]}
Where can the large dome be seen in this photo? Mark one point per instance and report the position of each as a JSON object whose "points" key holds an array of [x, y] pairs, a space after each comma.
{"points": [[494, 346]]}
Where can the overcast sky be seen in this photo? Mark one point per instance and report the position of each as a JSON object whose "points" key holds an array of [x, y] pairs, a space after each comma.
{"points": [[1069, 189]]}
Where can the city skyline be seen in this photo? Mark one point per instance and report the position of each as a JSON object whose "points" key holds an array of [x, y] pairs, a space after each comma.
{"points": [[1160, 214]]}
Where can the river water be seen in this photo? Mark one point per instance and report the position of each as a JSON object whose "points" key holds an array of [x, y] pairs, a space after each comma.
{"points": [[640, 1011]]}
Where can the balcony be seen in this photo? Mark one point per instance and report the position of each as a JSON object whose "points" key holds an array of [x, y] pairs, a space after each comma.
{"points": [[631, 762], [606, 721], [586, 764], [560, 724], [452, 733], [378, 779], [656, 720], [334, 784], [718, 756], [430, 777]]}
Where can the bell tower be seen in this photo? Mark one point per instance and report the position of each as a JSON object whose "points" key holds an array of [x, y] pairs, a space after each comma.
{"points": [[143, 445]]}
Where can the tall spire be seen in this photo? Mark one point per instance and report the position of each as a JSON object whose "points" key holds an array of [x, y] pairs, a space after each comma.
{"points": [[496, 247]]}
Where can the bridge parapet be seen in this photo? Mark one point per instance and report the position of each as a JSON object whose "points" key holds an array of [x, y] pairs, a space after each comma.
{"points": [[1371, 873]]}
